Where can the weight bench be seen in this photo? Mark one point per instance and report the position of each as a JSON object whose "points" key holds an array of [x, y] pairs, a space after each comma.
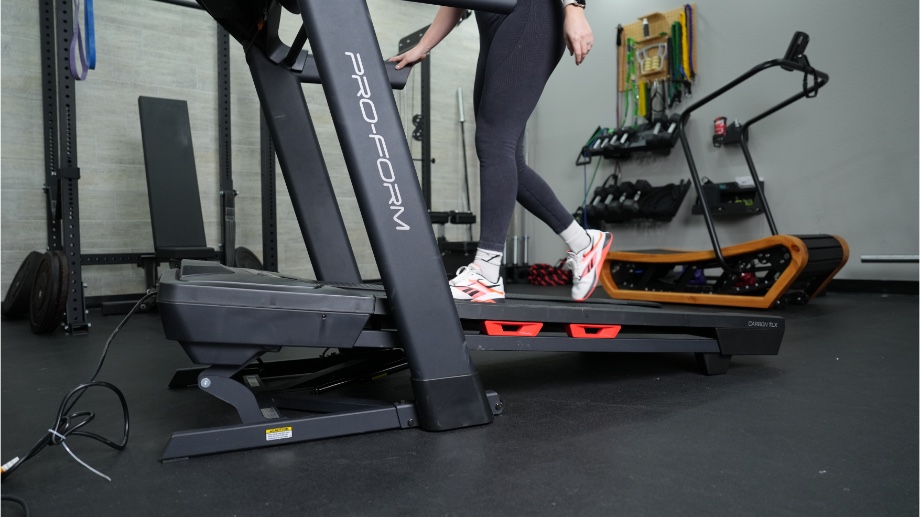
{"points": [[172, 182], [172, 191]]}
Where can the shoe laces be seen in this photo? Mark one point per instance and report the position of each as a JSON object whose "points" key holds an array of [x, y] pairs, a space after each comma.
{"points": [[464, 274], [573, 259], [571, 263]]}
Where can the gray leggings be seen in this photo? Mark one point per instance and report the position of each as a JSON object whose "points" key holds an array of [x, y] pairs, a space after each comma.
{"points": [[518, 53]]}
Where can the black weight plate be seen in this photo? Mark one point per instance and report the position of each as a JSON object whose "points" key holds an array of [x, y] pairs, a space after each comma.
{"points": [[46, 310], [16, 303], [245, 258]]}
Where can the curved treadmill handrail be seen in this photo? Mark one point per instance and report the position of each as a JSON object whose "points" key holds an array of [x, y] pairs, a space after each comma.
{"points": [[821, 79]]}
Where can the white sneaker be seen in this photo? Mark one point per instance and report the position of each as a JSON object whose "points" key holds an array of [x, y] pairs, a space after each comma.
{"points": [[586, 264], [469, 284]]}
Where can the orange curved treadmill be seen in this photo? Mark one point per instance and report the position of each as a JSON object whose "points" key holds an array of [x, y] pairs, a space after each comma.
{"points": [[774, 270]]}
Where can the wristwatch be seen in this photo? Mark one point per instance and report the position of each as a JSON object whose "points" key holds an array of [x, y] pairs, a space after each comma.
{"points": [[577, 3]]}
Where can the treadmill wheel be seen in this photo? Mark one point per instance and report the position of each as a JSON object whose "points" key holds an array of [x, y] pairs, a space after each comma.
{"points": [[16, 303], [48, 301], [246, 259]]}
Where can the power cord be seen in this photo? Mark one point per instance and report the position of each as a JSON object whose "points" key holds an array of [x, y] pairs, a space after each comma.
{"points": [[20, 502], [68, 423]]}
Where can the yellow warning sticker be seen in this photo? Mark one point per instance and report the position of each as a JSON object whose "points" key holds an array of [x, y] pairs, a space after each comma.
{"points": [[279, 433]]}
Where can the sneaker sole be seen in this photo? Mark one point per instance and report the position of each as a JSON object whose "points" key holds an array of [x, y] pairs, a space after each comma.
{"points": [[493, 298]]}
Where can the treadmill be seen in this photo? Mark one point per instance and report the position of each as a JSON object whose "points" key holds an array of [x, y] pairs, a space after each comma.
{"points": [[227, 318], [758, 274]]}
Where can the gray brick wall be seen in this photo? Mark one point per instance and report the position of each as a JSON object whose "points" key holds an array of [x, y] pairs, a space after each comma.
{"points": [[155, 49]]}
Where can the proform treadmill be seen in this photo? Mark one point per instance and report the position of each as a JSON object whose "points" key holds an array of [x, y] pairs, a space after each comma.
{"points": [[227, 318]]}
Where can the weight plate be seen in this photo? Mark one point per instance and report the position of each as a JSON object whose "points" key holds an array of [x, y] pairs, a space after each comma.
{"points": [[48, 301], [16, 303], [245, 258]]}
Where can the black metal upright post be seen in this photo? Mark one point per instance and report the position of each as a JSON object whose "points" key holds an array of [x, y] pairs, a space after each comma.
{"points": [[448, 389], [269, 204], [46, 10], [426, 132], [305, 173], [227, 194], [405, 44], [69, 172]]}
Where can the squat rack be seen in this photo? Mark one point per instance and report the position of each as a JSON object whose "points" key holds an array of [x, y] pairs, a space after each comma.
{"points": [[62, 171]]}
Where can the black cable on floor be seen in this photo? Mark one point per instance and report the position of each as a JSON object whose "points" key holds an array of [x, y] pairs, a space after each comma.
{"points": [[68, 424], [13, 498]]}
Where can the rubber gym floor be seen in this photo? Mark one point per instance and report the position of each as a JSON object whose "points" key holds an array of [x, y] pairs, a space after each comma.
{"points": [[827, 427]]}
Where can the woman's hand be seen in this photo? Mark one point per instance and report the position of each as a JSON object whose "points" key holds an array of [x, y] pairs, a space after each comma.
{"points": [[410, 57], [578, 36], [444, 22]]}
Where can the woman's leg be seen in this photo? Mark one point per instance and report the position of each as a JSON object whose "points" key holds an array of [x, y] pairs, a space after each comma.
{"points": [[538, 198], [518, 54]]}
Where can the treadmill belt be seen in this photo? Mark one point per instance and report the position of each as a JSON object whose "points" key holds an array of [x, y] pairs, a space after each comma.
{"points": [[592, 301], [517, 297]]}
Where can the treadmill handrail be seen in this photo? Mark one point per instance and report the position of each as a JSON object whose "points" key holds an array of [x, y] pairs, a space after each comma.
{"points": [[310, 74], [492, 6], [821, 79], [304, 65]]}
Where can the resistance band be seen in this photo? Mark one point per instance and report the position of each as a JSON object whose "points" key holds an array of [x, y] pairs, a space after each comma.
{"points": [[619, 64], [688, 13], [631, 60], [79, 71], [685, 45], [642, 99]]}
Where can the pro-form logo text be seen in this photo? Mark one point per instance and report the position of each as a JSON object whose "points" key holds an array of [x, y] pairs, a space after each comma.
{"points": [[384, 167], [767, 324]]}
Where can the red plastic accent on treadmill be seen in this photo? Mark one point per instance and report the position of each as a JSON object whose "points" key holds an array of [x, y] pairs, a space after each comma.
{"points": [[592, 331], [511, 328]]}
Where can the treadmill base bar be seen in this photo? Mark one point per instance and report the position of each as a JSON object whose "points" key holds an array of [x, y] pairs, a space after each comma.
{"points": [[369, 417]]}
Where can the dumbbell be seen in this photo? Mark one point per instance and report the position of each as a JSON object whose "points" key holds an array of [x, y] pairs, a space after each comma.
{"points": [[619, 145], [610, 139], [673, 124], [592, 222], [630, 203], [596, 207], [655, 134], [612, 204], [602, 140], [615, 210]]}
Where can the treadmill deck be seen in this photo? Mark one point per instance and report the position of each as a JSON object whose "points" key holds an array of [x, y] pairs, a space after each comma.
{"points": [[207, 306]]}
